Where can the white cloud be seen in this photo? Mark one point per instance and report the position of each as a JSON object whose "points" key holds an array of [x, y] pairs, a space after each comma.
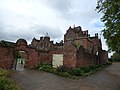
{"points": [[58, 5]]}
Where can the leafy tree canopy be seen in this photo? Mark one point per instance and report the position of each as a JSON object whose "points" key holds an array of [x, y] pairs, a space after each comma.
{"points": [[111, 19]]}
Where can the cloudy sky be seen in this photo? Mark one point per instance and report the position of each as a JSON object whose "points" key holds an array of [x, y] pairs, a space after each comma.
{"points": [[33, 18]]}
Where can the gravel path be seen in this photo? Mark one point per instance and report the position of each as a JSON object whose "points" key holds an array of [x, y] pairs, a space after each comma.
{"points": [[106, 79]]}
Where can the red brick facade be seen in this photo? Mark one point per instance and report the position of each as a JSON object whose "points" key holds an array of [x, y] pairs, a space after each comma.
{"points": [[6, 57], [82, 50], [78, 49]]}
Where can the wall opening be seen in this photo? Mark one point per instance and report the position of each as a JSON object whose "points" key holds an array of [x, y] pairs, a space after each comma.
{"points": [[57, 60]]}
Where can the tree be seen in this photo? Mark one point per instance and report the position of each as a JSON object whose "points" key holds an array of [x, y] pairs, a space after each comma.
{"points": [[111, 19], [116, 57]]}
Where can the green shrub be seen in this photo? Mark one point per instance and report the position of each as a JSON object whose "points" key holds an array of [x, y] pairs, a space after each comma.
{"points": [[100, 65], [73, 73], [45, 67], [116, 60], [91, 72], [97, 66], [74, 77], [86, 69], [64, 74], [5, 43], [6, 83], [93, 67], [62, 69], [3, 72], [76, 72]]}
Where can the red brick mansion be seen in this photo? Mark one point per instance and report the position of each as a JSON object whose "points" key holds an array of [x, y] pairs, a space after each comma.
{"points": [[77, 50]]}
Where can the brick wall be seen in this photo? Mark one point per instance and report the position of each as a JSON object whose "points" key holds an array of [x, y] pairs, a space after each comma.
{"points": [[44, 56], [31, 54], [6, 57], [69, 58], [32, 58], [78, 50], [103, 56]]}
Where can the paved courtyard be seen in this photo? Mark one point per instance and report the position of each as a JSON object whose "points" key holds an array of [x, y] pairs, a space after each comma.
{"points": [[106, 79]]}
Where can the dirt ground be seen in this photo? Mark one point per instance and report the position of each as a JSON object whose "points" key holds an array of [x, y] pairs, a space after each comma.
{"points": [[106, 79]]}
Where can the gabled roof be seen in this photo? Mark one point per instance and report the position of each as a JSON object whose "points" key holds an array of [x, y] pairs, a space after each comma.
{"points": [[77, 29]]}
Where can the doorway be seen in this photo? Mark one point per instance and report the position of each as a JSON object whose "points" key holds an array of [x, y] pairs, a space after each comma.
{"points": [[19, 62]]}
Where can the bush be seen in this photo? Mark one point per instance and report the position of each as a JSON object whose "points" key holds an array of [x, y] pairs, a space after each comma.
{"points": [[45, 67], [73, 73], [116, 60], [6, 83], [76, 71], [62, 69], [5, 43], [93, 67], [3, 72], [86, 69], [64, 74]]}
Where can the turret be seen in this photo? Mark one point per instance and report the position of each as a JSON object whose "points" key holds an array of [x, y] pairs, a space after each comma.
{"points": [[41, 38], [47, 38], [96, 35]]}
